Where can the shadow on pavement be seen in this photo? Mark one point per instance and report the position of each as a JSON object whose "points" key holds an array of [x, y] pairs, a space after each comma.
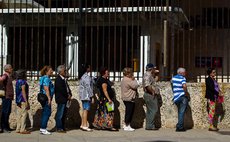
{"points": [[224, 132], [159, 141]]}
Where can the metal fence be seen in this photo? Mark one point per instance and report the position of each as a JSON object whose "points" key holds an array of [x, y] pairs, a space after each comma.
{"points": [[116, 33]]}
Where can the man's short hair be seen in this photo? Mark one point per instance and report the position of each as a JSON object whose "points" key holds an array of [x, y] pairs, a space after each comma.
{"points": [[7, 66], [60, 68], [180, 70]]}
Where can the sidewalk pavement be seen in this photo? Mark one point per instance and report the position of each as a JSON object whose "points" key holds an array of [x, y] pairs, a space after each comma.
{"points": [[139, 135]]}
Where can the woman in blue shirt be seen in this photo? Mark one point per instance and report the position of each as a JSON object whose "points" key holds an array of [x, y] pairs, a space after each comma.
{"points": [[47, 88]]}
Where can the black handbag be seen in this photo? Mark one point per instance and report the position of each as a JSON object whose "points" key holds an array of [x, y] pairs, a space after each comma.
{"points": [[42, 98]]}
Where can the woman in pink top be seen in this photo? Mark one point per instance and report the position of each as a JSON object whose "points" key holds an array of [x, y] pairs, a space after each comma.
{"points": [[128, 94]]}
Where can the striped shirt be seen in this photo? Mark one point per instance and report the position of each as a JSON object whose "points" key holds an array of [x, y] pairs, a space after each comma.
{"points": [[177, 83]]}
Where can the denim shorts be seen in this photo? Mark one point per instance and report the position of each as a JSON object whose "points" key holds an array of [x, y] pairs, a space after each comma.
{"points": [[86, 105]]}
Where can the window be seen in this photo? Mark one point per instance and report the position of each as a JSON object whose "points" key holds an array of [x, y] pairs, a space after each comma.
{"points": [[202, 62]]}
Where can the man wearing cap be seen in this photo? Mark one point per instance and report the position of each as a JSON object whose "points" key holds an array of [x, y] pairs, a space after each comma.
{"points": [[180, 97], [150, 91]]}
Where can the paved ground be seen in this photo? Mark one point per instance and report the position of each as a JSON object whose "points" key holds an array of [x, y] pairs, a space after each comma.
{"points": [[140, 135]]}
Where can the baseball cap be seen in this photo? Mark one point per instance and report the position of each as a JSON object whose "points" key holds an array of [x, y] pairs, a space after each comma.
{"points": [[150, 65]]}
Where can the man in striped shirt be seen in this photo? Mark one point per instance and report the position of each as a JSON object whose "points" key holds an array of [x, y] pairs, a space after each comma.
{"points": [[180, 97]]}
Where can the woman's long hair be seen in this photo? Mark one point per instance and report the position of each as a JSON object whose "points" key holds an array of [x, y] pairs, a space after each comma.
{"points": [[83, 70], [209, 71], [44, 70]]}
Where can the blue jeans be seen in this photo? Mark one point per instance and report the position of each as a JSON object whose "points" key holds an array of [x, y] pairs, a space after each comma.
{"points": [[182, 104], [61, 116], [6, 110], [46, 112]]}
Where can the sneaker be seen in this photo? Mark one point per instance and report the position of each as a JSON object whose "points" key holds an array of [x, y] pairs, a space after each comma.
{"points": [[128, 128], [44, 132], [6, 131], [180, 130]]}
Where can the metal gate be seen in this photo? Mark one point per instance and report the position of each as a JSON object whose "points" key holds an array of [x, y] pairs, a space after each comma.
{"points": [[116, 33]]}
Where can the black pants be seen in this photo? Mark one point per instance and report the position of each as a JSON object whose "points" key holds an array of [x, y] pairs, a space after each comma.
{"points": [[129, 109], [6, 110]]}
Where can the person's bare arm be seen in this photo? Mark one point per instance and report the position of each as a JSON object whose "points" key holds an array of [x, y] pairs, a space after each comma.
{"points": [[185, 89], [24, 96], [104, 88], [150, 90], [46, 88]]}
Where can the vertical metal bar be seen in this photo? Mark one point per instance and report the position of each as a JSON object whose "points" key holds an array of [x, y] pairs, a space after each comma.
{"points": [[20, 37], [108, 38], [132, 37], [211, 35], [55, 40], [25, 36], [67, 39], [127, 36], [60, 61], [32, 39], [189, 38], [38, 39], [173, 29], [50, 34], [115, 39], [77, 38], [1, 40], [138, 35], [228, 43], [44, 34], [165, 42], [85, 33], [223, 43], [97, 31], [156, 8], [200, 37], [121, 39], [103, 35], [206, 32], [91, 38], [80, 58], [14, 33]]}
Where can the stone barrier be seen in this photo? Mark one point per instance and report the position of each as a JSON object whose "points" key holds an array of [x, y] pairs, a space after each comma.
{"points": [[196, 114]]}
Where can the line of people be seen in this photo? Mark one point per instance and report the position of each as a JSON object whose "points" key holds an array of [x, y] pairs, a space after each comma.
{"points": [[104, 94]]}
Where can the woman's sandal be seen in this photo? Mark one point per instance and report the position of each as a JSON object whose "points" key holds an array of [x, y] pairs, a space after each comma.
{"points": [[113, 129], [86, 129]]}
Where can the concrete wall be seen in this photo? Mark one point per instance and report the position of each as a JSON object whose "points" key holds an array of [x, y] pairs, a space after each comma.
{"points": [[196, 115]]}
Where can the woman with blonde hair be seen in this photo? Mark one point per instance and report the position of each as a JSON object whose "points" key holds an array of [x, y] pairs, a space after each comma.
{"points": [[128, 94], [46, 88]]}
